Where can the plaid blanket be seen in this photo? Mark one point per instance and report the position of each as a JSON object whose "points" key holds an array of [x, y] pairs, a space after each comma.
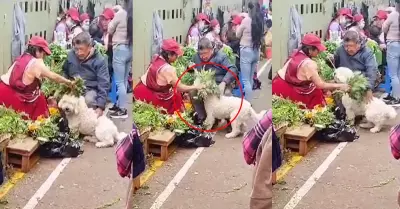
{"points": [[253, 138], [130, 155], [394, 138]]}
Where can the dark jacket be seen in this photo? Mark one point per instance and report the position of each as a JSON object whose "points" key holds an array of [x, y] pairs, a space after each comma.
{"points": [[221, 74], [95, 31], [364, 61], [94, 71]]}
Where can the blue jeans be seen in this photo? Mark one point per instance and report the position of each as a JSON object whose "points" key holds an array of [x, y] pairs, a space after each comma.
{"points": [[393, 62], [249, 57], [122, 64]]}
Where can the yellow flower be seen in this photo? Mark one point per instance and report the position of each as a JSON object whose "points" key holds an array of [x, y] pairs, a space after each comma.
{"points": [[53, 111], [41, 119], [329, 101], [309, 115], [318, 108], [170, 120], [32, 127], [188, 105]]}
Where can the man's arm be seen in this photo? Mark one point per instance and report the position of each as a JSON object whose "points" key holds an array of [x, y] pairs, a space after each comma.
{"points": [[336, 58], [371, 68], [228, 78], [66, 72], [103, 84]]}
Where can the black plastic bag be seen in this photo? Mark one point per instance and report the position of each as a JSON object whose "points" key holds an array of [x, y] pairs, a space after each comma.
{"points": [[62, 146], [194, 139], [57, 149], [338, 131]]}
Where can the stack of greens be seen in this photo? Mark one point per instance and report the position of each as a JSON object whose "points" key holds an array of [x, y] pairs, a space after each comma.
{"points": [[101, 49], [207, 78], [359, 86], [57, 57], [319, 117], [331, 47], [229, 53], [326, 72], [176, 124], [148, 116], [188, 77], [285, 112], [12, 122]]}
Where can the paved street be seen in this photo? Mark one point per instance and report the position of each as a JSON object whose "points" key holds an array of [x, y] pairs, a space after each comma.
{"points": [[218, 178], [363, 175]]}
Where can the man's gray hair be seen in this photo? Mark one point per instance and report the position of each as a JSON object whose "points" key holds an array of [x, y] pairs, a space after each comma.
{"points": [[82, 38], [352, 36], [205, 43]]}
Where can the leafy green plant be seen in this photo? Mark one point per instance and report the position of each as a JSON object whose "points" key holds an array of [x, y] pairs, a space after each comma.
{"points": [[207, 78], [285, 112], [358, 86], [148, 116]]}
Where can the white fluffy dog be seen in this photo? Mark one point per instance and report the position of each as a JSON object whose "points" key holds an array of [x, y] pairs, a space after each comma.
{"points": [[377, 113], [83, 119], [227, 107]]}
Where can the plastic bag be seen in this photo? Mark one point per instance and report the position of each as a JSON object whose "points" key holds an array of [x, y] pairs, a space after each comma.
{"points": [[62, 146], [338, 131], [57, 149], [194, 139]]}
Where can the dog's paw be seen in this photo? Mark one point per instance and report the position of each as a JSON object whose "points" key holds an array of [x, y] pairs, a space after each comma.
{"points": [[231, 135], [366, 125], [91, 139], [103, 144], [375, 130]]}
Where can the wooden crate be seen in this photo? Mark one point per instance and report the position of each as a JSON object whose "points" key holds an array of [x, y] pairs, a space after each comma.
{"points": [[22, 152], [280, 132], [144, 135], [161, 143], [300, 138]]}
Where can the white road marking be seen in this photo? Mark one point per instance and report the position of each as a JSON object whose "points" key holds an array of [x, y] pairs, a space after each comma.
{"points": [[314, 177], [176, 180], [34, 201], [264, 67]]}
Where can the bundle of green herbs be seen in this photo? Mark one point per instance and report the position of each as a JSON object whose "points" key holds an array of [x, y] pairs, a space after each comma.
{"points": [[285, 112], [58, 55], [229, 53], [11, 122], [207, 78], [327, 73], [358, 86], [148, 116]]}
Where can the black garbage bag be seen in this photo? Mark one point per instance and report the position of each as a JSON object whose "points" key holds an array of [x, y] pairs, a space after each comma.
{"points": [[62, 146], [193, 139], [60, 149], [338, 131]]}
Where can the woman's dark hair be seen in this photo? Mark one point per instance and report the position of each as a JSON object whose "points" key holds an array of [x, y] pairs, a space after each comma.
{"points": [[33, 49], [129, 11], [306, 49], [257, 25], [165, 54]]}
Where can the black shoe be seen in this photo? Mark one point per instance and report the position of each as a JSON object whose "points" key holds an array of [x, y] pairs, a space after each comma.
{"points": [[388, 98], [113, 109], [393, 102], [119, 114]]}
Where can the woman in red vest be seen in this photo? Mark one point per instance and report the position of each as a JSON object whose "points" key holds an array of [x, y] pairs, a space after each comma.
{"points": [[299, 81], [20, 86], [157, 84]]}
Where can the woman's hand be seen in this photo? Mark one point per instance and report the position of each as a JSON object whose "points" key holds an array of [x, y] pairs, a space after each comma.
{"points": [[199, 86], [344, 87]]}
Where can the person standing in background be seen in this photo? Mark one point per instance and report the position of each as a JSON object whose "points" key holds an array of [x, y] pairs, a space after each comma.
{"points": [[250, 33], [73, 23], [195, 31], [213, 34], [122, 58], [391, 29], [85, 22]]}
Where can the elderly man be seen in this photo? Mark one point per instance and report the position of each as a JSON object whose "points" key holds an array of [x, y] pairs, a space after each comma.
{"points": [[355, 55], [86, 62], [207, 53]]}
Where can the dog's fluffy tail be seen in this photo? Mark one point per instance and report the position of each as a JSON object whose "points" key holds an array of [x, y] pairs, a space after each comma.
{"points": [[257, 116], [120, 136]]}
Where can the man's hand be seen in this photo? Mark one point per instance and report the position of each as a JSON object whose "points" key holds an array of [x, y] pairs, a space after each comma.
{"points": [[222, 87], [99, 112], [369, 96]]}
